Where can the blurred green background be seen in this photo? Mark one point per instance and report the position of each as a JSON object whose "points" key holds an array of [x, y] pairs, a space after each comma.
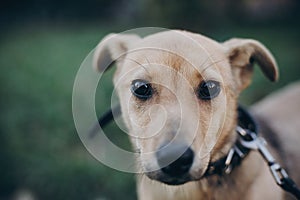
{"points": [[42, 45]]}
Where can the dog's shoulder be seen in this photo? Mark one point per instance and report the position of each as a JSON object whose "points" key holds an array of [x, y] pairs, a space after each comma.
{"points": [[278, 116]]}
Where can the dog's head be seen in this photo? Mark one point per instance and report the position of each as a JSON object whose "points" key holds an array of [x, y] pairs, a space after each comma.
{"points": [[178, 93]]}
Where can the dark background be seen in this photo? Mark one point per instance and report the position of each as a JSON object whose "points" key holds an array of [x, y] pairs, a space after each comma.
{"points": [[42, 44]]}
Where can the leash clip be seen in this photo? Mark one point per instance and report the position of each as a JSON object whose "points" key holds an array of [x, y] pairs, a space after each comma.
{"points": [[278, 173], [248, 139], [251, 141]]}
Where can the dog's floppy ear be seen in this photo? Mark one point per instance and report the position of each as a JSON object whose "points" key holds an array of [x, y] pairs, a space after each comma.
{"points": [[242, 54], [110, 48]]}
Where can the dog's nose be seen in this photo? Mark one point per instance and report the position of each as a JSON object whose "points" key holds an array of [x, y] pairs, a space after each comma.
{"points": [[181, 165]]}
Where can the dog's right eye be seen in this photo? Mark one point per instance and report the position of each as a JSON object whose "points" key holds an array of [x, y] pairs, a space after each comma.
{"points": [[141, 89]]}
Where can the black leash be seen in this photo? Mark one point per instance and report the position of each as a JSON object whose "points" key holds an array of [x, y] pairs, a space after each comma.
{"points": [[248, 140], [105, 119]]}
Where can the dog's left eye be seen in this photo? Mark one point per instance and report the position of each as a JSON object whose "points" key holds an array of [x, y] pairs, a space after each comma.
{"points": [[141, 89], [209, 90]]}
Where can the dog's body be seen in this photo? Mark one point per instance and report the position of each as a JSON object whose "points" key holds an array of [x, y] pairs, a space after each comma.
{"points": [[179, 93]]}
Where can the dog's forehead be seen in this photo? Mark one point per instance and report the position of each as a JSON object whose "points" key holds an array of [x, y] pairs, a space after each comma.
{"points": [[182, 43], [184, 52]]}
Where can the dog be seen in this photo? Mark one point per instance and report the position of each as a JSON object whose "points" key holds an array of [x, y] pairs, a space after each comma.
{"points": [[179, 95]]}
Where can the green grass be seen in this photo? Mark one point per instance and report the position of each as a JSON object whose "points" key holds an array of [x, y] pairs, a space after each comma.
{"points": [[40, 149]]}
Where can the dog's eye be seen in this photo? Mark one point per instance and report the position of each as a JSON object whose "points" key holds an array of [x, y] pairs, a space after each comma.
{"points": [[141, 89], [209, 90]]}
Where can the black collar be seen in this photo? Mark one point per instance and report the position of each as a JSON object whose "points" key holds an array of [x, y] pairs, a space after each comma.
{"points": [[236, 154]]}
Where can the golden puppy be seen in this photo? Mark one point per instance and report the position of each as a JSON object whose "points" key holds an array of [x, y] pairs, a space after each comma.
{"points": [[179, 96]]}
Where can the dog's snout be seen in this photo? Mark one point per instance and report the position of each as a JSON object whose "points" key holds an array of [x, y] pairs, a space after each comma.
{"points": [[182, 155]]}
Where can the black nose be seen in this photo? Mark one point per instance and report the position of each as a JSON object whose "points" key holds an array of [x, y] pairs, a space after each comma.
{"points": [[181, 165]]}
